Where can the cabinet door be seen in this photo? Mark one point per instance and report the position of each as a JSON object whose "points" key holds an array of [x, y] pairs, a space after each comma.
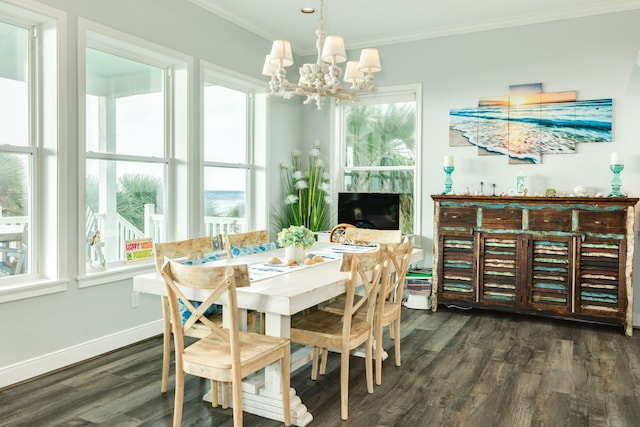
{"points": [[499, 269], [550, 267], [457, 267], [601, 285]]}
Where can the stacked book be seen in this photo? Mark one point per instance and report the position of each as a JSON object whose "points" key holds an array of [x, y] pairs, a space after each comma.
{"points": [[419, 287]]}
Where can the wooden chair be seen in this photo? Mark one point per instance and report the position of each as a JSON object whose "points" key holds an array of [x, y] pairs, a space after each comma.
{"points": [[224, 355], [389, 309], [247, 240], [191, 248], [389, 300], [337, 233], [345, 332]]}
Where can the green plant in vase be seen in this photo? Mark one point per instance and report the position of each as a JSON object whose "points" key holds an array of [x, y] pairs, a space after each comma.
{"points": [[305, 193]]}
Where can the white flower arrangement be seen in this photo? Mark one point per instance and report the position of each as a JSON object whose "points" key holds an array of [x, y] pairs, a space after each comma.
{"points": [[296, 235], [306, 193]]}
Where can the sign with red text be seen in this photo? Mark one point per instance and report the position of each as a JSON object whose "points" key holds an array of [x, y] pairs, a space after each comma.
{"points": [[138, 249]]}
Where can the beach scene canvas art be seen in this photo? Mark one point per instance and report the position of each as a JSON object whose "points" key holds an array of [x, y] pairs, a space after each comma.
{"points": [[527, 123]]}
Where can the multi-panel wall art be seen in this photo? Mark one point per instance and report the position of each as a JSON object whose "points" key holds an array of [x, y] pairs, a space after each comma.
{"points": [[528, 123]]}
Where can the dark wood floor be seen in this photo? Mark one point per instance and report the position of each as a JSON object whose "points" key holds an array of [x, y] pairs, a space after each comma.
{"points": [[460, 368]]}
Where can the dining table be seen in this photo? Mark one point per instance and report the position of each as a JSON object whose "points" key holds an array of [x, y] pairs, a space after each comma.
{"points": [[280, 292]]}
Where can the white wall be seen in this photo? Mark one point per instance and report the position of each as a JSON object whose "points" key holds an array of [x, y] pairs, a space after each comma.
{"points": [[594, 56]]}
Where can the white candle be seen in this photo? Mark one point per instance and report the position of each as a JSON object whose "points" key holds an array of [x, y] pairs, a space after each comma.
{"points": [[615, 159], [448, 161]]}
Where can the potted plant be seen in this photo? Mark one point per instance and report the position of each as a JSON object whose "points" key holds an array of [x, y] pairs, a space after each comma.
{"points": [[305, 193], [295, 240]]}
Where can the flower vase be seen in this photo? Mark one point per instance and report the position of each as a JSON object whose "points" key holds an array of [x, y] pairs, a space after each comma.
{"points": [[294, 252]]}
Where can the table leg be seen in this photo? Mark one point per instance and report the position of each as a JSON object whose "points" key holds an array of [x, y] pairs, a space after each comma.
{"points": [[242, 319], [277, 325], [261, 391]]}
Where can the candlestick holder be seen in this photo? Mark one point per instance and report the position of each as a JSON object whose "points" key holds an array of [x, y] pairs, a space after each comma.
{"points": [[616, 182], [448, 182]]}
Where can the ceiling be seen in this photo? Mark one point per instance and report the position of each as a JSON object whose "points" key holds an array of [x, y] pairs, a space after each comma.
{"points": [[367, 23]]}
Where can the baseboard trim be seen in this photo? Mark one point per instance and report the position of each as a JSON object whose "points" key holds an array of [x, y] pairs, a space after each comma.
{"points": [[21, 371]]}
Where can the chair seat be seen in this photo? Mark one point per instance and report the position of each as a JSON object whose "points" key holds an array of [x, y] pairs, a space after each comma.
{"points": [[213, 352], [337, 307], [324, 329]]}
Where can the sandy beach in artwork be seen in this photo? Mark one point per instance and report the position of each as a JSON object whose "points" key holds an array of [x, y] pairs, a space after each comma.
{"points": [[457, 139]]}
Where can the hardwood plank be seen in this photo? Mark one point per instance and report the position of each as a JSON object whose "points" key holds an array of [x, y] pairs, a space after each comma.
{"points": [[460, 368]]}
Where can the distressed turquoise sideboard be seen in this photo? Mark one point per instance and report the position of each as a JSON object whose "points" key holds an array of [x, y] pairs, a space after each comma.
{"points": [[563, 257]]}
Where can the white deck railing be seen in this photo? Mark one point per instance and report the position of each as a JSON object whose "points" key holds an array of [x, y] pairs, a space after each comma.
{"points": [[153, 227]]}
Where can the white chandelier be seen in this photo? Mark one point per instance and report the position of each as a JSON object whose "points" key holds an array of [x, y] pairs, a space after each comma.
{"points": [[322, 79]]}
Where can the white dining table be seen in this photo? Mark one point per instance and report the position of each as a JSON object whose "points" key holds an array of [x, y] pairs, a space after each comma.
{"points": [[278, 297]]}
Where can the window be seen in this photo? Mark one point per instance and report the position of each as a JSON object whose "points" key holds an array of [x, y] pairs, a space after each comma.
{"points": [[126, 163], [131, 121], [30, 110], [17, 149], [229, 129], [378, 150]]}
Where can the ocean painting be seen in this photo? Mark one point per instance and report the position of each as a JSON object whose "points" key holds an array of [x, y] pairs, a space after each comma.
{"points": [[529, 123]]}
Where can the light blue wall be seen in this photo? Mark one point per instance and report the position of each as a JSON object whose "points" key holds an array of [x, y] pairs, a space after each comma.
{"points": [[594, 56]]}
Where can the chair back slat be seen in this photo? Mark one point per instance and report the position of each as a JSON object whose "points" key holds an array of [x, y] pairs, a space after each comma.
{"points": [[250, 238], [368, 235], [191, 248]]}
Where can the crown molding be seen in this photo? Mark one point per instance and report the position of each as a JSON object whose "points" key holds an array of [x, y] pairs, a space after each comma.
{"points": [[433, 32]]}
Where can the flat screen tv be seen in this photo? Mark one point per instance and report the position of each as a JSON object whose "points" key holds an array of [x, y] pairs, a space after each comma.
{"points": [[370, 210]]}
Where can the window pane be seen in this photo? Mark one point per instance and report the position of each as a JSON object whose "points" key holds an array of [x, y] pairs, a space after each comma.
{"points": [[225, 200], [386, 182], [125, 106], [380, 152], [380, 134], [131, 190], [14, 89], [225, 125], [14, 215]]}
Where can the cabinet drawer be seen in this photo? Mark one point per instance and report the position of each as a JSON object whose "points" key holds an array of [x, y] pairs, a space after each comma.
{"points": [[502, 218], [550, 220], [602, 222], [458, 217]]}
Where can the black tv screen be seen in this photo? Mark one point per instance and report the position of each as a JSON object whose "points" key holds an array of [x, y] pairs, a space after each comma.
{"points": [[370, 210]]}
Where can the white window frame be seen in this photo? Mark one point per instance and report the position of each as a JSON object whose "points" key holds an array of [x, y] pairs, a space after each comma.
{"points": [[256, 213], [177, 89], [402, 93], [47, 111]]}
